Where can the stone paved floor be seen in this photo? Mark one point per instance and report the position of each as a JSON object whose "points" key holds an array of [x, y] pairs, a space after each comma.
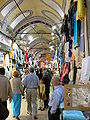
{"points": [[42, 115]]}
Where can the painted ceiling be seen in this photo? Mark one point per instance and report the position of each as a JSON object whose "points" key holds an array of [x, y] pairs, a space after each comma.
{"points": [[30, 22]]}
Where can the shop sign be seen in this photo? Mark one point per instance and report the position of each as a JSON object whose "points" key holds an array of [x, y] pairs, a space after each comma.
{"points": [[5, 40]]}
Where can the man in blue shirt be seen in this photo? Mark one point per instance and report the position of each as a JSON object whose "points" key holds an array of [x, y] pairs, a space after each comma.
{"points": [[56, 98], [31, 83]]}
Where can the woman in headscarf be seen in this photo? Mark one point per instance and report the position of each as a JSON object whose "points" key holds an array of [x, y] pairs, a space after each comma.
{"points": [[17, 90]]}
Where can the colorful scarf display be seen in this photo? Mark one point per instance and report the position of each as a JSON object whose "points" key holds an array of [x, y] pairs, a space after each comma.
{"points": [[76, 44]]}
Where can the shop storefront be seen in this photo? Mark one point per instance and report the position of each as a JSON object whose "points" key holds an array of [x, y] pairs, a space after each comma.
{"points": [[72, 46], [74, 65], [16, 58], [5, 47]]}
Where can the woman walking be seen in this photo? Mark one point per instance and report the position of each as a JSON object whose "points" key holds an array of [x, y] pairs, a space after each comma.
{"points": [[17, 90]]}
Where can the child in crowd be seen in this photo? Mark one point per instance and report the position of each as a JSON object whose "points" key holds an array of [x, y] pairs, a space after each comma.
{"points": [[42, 96]]}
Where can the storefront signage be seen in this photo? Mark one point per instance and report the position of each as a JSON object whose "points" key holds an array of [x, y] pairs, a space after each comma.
{"points": [[5, 40]]}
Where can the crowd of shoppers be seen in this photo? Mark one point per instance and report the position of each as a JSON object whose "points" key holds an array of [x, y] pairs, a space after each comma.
{"points": [[33, 86]]}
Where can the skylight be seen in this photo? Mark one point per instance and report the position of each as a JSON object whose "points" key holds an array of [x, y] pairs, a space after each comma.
{"points": [[19, 19], [30, 38], [54, 6], [8, 8], [26, 31], [53, 17]]}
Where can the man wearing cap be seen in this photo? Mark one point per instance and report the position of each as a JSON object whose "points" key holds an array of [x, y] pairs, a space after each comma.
{"points": [[56, 98]]}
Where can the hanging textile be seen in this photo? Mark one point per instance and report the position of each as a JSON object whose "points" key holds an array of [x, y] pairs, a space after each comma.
{"points": [[76, 44], [82, 39], [70, 47], [15, 54], [63, 57], [66, 30], [72, 50], [73, 56], [64, 77], [67, 58], [71, 11], [64, 38], [26, 56], [85, 72], [80, 9]]}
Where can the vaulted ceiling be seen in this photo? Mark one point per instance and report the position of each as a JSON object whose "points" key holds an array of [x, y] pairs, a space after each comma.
{"points": [[30, 22]]}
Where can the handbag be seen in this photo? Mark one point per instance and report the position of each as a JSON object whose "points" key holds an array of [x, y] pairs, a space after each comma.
{"points": [[4, 113]]}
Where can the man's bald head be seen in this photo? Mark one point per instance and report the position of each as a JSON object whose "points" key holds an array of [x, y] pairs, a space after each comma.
{"points": [[56, 80]]}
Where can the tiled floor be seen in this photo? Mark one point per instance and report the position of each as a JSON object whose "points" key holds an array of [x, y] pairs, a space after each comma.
{"points": [[42, 115]]}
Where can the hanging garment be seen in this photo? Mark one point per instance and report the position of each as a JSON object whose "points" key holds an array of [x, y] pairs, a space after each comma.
{"points": [[76, 44], [72, 50], [64, 38], [63, 57], [82, 39], [73, 56], [80, 10], [66, 30], [64, 77], [70, 47], [67, 58]]}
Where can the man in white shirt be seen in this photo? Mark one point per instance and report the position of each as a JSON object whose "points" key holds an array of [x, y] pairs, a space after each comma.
{"points": [[56, 98]]}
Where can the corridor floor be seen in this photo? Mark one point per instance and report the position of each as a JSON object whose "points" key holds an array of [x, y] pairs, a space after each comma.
{"points": [[42, 115]]}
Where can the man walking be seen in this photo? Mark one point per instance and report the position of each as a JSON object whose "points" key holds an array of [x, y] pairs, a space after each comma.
{"points": [[31, 83], [5, 92]]}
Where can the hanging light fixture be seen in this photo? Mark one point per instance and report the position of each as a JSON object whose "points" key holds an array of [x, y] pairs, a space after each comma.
{"points": [[52, 34], [53, 38], [54, 27], [30, 38]]}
